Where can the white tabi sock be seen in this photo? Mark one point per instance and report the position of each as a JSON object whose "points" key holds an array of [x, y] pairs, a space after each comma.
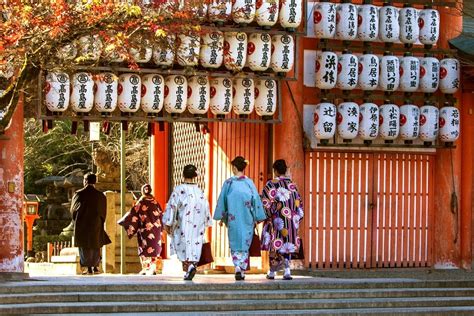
{"points": [[190, 267], [237, 269], [287, 271], [271, 273]]}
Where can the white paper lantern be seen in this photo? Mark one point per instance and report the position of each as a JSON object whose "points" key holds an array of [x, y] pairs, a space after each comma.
{"points": [[221, 96], [105, 99], [368, 121], [389, 72], [389, 118], [243, 11], [429, 123], [409, 73], [409, 28], [291, 13], [243, 96], [367, 23], [265, 97], [67, 52], [346, 21], [198, 9], [57, 91], [141, 49], [347, 71], [235, 50], [429, 26], [164, 51], [449, 75], [389, 29], [369, 72], [324, 18], [324, 120], [326, 73], [90, 47], [198, 95], [259, 51], [429, 74], [409, 122], [348, 120], [219, 11], [188, 50], [267, 12], [176, 91], [153, 89], [129, 92], [283, 53], [212, 49], [82, 93], [449, 124]]}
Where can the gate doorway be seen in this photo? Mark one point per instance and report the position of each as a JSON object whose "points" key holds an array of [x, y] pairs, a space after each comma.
{"points": [[368, 210]]}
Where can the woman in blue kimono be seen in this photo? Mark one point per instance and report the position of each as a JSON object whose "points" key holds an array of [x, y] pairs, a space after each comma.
{"points": [[239, 207]]}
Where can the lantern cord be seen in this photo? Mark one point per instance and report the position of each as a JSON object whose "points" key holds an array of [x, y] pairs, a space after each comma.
{"points": [[454, 200], [306, 141]]}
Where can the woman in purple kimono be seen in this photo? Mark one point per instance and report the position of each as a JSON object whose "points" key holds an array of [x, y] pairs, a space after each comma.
{"points": [[284, 208], [144, 219]]}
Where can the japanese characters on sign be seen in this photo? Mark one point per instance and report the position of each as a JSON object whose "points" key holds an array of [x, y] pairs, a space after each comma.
{"points": [[389, 29], [346, 22], [389, 73], [449, 124], [368, 72], [57, 91], [176, 91], [152, 93], [389, 117], [221, 96], [326, 74], [409, 73], [265, 97], [429, 123], [129, 92], [212, 49], [198, 95], [347, 120], [429, 26], [409, 28], [368, 121], [324, 120], [243, 101], [449, 75], [283, 53], [409, 122], [324, 18], [105, 99], [259, 51], [347, 71], [367, 23], [429, 74], [82, 94]]}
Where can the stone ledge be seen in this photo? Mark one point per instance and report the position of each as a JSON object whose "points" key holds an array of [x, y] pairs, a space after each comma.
{"points": [[14, 276]]}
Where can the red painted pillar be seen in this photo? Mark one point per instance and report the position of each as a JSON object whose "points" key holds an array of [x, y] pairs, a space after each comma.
{"points": [[447, 232], [11, 194]]}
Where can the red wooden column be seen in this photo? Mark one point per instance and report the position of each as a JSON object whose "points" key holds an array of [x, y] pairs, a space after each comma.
{"points": [[159, 173], [11, 194], [447, 232]]}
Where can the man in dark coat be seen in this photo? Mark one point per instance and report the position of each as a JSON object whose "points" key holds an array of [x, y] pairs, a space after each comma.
{"points": [[89, 210]]}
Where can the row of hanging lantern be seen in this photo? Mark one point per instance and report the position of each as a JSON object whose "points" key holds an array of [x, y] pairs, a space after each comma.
{"points": [[367, 22], [389, 122], [234, 50], [153, 92], [389, 73]]}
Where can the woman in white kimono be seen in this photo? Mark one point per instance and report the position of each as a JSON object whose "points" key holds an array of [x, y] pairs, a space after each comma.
{"points": [[186, 218]]}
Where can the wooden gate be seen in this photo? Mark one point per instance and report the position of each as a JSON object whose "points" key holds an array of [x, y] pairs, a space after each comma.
{"points": [[366, 210]]}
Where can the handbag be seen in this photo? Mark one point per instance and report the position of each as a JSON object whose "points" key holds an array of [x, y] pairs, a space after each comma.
{"points": [[254, 250], [206, 254]]}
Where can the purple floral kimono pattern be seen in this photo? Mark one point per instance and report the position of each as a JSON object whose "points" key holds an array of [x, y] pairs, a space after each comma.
{"points": [[144, 219]]}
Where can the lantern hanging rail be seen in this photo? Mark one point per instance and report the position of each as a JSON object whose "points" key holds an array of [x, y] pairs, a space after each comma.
{"points": [[369, 147], [380, 95], [434, 3], [254, 29]]}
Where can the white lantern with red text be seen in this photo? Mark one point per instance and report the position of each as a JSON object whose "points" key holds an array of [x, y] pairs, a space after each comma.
{"points": [[326, 73], [129, 92], [324, 18], [347, 71], [105, 99], [164, 51], [221, 96], [266, 13], [409, 122], [188, 50], [153, 89], [429, 74], [283, 48], [243, 11], [346, 22], [389, 118], [235, 50], [429, 26], [389, 72], [243, 100], [389, 29], [259, 51], [367, 23], [176, 91], [82, 93], [265, 97], [348, 120], [324, 120], [369, 72], [90, 47], [409, 73], [368, 121], [449, 75], [409, 28], [291, 13], [429, 123], [449, 124], [198, 95], [219, 11], [211, 54], [57, 91]]}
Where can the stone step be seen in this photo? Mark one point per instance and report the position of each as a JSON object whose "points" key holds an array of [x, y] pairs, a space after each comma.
{"points": [[231, 295], [237, 305]]}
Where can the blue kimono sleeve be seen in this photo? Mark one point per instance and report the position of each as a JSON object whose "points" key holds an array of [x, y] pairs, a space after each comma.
{"points": [[221, 211], [258, 212]]}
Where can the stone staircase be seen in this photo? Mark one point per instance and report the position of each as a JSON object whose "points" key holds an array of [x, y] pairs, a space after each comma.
{"points": [[219, 294]]}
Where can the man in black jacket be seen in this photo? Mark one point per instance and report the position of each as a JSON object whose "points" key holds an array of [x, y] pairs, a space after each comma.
{"points": [[89, 210]]}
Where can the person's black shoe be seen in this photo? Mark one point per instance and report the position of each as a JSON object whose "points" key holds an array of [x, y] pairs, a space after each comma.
{"points": [[239, 276], [88, 271], [190, 275], [287, 277], [96, 270], [269, 277]]}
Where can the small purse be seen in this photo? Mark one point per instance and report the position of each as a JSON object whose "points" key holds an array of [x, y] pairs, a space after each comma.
{"points": [[206, 254], [254, 250]]}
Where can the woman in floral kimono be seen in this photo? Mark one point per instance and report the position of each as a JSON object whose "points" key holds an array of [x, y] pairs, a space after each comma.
{"points": [[284, 208], [240, 208], [144, 219], [186, 218]]}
